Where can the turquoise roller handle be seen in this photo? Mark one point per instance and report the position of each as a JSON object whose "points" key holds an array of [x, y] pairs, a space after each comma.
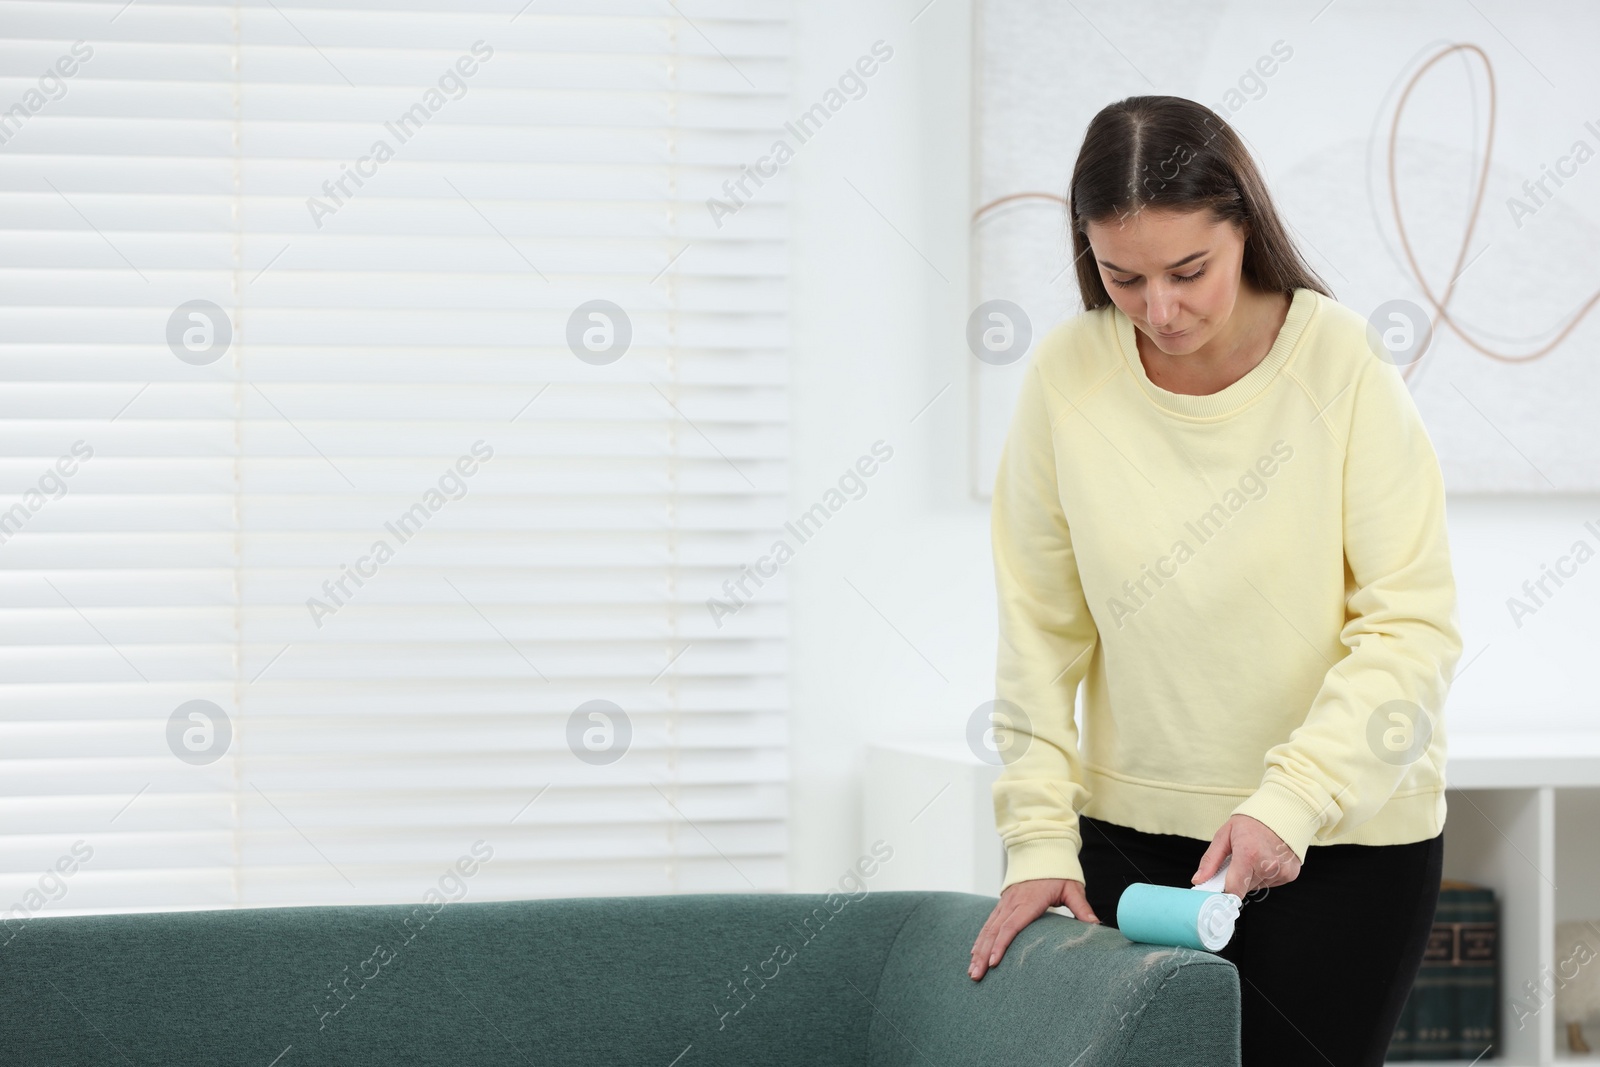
{"points": [[1167, 915]]}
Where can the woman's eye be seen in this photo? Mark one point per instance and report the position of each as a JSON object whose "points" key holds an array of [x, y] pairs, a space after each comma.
{"points": [[1178, 277]]}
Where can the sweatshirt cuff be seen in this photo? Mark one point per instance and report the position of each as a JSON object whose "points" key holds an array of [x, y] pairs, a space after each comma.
{"points": [[1286, 813], [1042, 857]]}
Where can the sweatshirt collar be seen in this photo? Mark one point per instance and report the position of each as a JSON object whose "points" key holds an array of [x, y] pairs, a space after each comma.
{"points": [[1235, 397]]}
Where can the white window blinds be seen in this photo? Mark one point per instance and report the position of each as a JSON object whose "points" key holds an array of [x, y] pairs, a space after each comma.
{"points": [[381, 405]]}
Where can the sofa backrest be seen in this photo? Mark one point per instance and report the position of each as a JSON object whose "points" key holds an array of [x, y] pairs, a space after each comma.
{"points": [[730, 979], [1066, 992], [677, 981]]}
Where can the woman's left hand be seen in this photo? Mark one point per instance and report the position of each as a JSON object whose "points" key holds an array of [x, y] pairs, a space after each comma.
{"points": [[1261, 859]]}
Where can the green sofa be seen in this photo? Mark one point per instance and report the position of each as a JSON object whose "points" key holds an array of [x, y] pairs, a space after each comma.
{"points": [[745, 980]]}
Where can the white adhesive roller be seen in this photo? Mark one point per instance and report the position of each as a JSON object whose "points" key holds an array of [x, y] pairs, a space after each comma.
{"points": [[1200, 917]]}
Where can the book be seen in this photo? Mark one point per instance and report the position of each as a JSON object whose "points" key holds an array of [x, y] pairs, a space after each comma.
{"points": [[1451, 1012]]}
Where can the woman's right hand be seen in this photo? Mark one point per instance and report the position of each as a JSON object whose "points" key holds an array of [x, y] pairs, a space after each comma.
{"points": [[1019, 905]]}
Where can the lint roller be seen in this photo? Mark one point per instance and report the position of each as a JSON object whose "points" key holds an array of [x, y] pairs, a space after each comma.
{"points": [[1200, 917]]}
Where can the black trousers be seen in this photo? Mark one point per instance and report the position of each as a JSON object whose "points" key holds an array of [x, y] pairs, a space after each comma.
{"points": [[1325, 962]]}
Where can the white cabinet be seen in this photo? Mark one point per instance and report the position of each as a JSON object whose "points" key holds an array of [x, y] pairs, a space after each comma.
{"points": [[1524, 818]]}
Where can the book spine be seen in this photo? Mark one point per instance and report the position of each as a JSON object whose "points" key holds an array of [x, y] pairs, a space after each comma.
{"points": [[1458, 984], [1478, 935]]}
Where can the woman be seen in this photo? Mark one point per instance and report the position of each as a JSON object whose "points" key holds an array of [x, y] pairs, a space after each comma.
{"points": [[1217, 507]]}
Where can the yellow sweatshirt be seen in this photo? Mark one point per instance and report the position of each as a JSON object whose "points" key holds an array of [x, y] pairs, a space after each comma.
{"points": [[1254, 587]]}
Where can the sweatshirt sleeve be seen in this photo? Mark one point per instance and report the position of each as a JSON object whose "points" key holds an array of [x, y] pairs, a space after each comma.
{"points": [[1046, 639], [1340, 766]]}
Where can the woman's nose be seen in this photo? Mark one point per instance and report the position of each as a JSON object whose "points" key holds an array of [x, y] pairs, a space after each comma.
{"points": [[1161, 303]]}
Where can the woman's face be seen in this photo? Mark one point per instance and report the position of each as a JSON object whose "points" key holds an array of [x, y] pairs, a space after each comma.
{"points": [[1171, 273]]}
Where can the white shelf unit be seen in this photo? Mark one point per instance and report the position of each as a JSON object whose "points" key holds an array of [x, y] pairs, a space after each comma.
{"points": [[1524, 819]]}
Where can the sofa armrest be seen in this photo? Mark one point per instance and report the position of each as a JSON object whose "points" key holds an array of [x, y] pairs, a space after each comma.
{"points": [[1065, 992]]}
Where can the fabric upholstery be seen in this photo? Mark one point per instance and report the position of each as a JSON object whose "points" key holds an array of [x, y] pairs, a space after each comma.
{"points": [[608, 981]]}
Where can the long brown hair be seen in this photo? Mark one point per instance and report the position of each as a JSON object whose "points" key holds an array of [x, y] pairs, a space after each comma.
{"points": [[1170, 153]]}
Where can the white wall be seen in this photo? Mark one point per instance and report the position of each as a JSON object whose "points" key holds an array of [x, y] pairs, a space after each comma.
{"points": [[892, 626]]}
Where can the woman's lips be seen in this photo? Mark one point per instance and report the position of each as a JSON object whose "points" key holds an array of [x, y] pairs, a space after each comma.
{"points": [[1180, 333]]}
